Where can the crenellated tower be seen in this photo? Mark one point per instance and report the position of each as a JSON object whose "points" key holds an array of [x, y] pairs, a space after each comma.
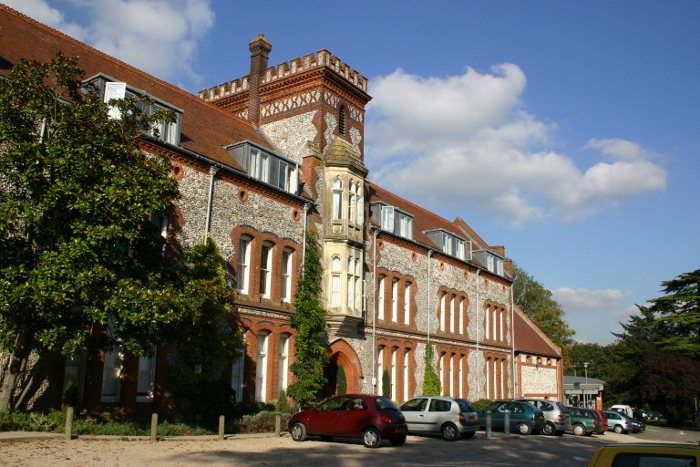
{"points": [[312, 109]]}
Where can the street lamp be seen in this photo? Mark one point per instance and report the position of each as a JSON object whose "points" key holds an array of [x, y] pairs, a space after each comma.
{"points": [[585, 395]]}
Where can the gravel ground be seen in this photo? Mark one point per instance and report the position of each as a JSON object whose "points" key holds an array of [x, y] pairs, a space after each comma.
{"points": [[528, 451]]}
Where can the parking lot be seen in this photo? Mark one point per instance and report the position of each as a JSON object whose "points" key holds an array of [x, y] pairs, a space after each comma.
{"points": [[567, 450]]}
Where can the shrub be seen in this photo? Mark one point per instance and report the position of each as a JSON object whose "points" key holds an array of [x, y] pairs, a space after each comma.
{"points": [[32, 421], [261, 422], [341, 381], [481, 403]]}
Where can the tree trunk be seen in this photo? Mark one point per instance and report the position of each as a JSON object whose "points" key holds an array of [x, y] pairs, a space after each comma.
{"points": [[14, 369]]}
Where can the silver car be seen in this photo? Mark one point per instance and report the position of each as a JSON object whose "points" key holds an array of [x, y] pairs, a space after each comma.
{"points": [[555, 413], [441, 414]]}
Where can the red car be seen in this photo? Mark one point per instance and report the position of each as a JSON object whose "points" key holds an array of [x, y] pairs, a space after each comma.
{"points": [[603, 418], [370, 418]]}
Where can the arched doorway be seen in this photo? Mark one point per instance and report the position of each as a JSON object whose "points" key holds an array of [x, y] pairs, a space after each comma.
{"points": [[341, 354]]}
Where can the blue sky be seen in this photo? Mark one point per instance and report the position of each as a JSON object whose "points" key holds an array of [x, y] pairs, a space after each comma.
{"points": [[565, 130]]}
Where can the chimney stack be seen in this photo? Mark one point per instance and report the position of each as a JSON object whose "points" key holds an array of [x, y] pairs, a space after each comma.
{"points": [[260, 50]]}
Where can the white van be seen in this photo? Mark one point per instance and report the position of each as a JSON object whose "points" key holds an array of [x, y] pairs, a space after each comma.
{"points": [[625, 409]]}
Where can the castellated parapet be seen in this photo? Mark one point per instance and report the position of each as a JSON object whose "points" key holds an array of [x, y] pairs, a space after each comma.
{"points": [[321, 59]]}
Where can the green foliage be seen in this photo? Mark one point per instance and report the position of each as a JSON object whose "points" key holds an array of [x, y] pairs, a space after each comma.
{"points": [[678, 312], [431, 381], [537, 303], [481, 403], [261, 422], [386, 384], [34, 421], [671, 382], [282, 404], [309, 319], [341, 381]]}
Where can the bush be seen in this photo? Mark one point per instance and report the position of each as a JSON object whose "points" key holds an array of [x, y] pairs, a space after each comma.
{"points": [[32, 421], [341, 381], [261, 422], [481, 403]]}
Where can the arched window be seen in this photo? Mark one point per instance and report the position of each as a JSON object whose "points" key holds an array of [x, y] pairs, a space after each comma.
{"points": [[286, 282], [266, 269], [337, 198], [351, 203], [238, 372], [406, 374], [261, 367], [407, 304], [283, 379], [360, 201], [243, 282], [394, 351], [395, 300], [442, 311], [380, 298]]}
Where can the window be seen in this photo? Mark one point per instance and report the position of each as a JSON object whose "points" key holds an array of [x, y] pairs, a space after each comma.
{"points": [[238, 373], [380, 298], [286, 283], [490, 260], [146, 378], [350, 290], [461, 315], [395, 300], [380, 365], [459, 376], [335, 281], [442, 312], [360, 209], [405, 374], [261, 370], [452, 313], [404, 225], [351, 203], [266, 166], [441, 372], [341, 120], [407, 303], [450, 243], [388, 218], [243, 264], [114, 91], [358, 290], [488, 321], [394, 350], [112, 375], [337, 198], [265, 269], [283, 380]]}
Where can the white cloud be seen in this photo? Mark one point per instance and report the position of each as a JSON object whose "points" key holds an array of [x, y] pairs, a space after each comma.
{"points": [[464, 141], [581, 299], [625, 313], [157, 36]]}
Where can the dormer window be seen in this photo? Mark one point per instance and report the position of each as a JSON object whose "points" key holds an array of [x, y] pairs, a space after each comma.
{"points": [[450, 243], [393, 220], [109, 88], [266, 166], [490, 260]]}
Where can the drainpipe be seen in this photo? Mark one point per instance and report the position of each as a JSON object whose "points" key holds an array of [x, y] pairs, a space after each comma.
{"points": [[478, 326], [212, 172], [512, 337], [427, 296], [303, 247], [374, 316]]}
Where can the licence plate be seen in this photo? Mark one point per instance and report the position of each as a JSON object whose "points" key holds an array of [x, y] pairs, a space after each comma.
{"points": [[472, 417], [399, 430]]}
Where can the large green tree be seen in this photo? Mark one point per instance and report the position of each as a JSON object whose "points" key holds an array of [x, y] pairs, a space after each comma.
{"points": [[678, 312], [309, 319], [81, 264], [537, 303]]}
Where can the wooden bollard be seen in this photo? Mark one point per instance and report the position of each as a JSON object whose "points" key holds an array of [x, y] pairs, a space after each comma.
{"points": [[222, 424], [278, 423], [154, 427], [69, 423]]}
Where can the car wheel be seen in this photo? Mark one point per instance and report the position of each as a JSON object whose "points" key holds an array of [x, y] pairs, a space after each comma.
{"points": [[327, 438], [371, 438], [449, 432], [298, 431], [549, 429], [618, 429], [398, 441], [579, 430], [468, 434], [524, 428]]}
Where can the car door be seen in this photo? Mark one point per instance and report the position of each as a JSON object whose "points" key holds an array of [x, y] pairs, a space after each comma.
{"points": [[329, 418], [498, 415], [438, 410], [414, 411], [353, 420]]}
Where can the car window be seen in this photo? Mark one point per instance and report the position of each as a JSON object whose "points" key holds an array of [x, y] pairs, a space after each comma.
{"points": [[415, 405], [339, 403], [383, 403], [465, 406], [635, 459], [545, 406], [515, 408], [493, 407], [357, 403], [562, 407], [439, 405]]}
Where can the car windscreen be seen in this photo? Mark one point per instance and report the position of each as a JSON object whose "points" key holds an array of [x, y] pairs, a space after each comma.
{"points": [[383, 403]]}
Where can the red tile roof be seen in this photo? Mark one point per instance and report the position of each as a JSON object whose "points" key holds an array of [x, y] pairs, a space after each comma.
{"points": [[205, 127], [529, 338]]}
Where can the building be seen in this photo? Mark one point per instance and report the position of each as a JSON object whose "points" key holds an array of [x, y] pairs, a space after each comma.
{"points": [[261, 160], [580, 391]]}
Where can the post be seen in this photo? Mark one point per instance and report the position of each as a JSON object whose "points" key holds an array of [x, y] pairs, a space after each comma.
{"points": [[69, 423], [488, 424], [222, 424], [506, 423], [154, 427], [278, 425], [585, 393]]}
